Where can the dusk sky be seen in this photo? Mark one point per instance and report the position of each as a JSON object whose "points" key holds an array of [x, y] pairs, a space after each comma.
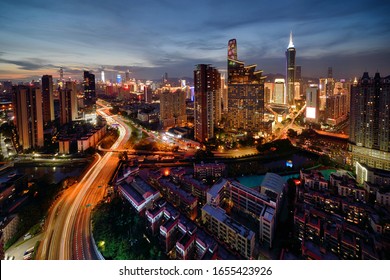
{"points": [[153, 37]]}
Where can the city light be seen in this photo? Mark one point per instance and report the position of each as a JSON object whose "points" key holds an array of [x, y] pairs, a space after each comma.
{"points": [[310, 112], [212, 161]]}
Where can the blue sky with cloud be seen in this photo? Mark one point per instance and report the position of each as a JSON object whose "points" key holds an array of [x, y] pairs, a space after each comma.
{"points": [[153, 37]]}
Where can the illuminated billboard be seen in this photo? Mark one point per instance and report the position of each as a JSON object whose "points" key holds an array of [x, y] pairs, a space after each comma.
{"points": [[232, 49], [311, 112]]}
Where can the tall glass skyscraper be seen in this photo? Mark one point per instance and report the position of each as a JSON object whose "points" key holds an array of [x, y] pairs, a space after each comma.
{"points": [[290, 73], [245, 94], [89, 89], [48, 99]]}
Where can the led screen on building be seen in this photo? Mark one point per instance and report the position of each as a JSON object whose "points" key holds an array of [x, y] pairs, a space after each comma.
{"points": [[310, 112]]}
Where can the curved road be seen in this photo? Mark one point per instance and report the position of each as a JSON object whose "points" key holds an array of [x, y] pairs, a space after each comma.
{"points": [[68, 225]]}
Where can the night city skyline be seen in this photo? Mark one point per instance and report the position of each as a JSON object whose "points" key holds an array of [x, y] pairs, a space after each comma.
{"points": [[151, 38], [209, 130]]}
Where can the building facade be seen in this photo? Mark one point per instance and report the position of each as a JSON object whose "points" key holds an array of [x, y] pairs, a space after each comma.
{"points": [[89, 89], [28, 116], [245, 94], [370, 121], [68, 103], [290, 72], [173, 108], [280, 96], [312, 103], [207, 107], [48, 99]]}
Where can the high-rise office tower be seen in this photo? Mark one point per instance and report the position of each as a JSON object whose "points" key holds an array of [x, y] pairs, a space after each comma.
{"points": [[279, 91], [323, 87], [48, 99], [28, 116], [290, 75], [312, 103], [298, 83], [207, 106], [330, 73], [298, 73], [245, 94], [102, 75], [370, 121], [68, 103], [127, 76], [89, 89], [269, 92], [224, 93], [61, 74], [297, 90], [165, 78], [336, 108], [148, 94]]}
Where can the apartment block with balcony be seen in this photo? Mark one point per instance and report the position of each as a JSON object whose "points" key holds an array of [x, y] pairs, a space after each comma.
{"points": [[237, 237]]}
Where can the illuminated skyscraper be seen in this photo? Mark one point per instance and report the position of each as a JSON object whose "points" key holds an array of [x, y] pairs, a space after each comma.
{"points": [[370, 121], [279, 91], [28, 116], [148, 94], [173, 108], [61, 74], [89, 89], [68, 103], [48, 99], [322, 87], [330, 73], [269, 92], [245, 94], [224, 93], [102, 75], [207, 108], [290, 75], [312, 103]]}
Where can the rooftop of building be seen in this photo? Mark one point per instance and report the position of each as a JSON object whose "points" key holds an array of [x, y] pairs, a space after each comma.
{"points": [[186, 225], [169, 224], [138, 189], [129, 190], [217, 187], [377, 171], [186, 240], [154, 211], [253, 192], [273, 182], [171, 211], [187, 197], [314, 251], [142, 187], [194, 182], [220, 214], [343, 176], [206, 240]]}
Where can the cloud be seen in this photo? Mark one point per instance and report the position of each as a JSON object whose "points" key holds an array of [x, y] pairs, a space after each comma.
{"points": [[32, 64], [154, 37]]}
